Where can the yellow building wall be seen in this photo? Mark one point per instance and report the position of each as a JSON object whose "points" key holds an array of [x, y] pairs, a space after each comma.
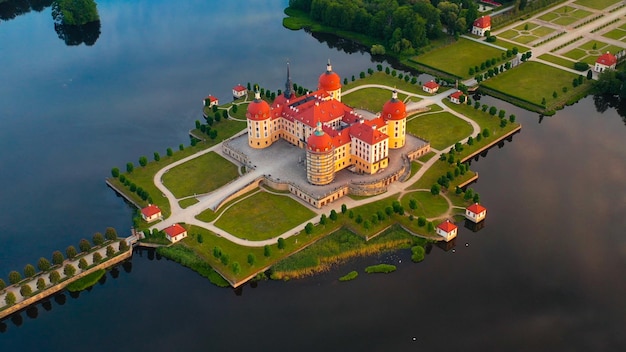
{"points": [[260, 134], [397, 133]]}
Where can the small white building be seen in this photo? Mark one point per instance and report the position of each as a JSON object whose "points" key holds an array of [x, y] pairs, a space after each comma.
{"points": [[210, 101], [239, 91], [175, 233], [447, 230], [605, 61], [151, 213], [457, 97], [475, 213], [430, 87], [481, 25]]}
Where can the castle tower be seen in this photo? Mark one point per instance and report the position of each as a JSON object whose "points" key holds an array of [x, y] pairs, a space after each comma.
{"points": [[259, 123], [320, 164], [288, 85], [394, 113], [330, 82]]}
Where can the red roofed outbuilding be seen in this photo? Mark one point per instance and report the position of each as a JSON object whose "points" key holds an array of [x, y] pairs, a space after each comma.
{"points": [[151, 213], [605, 61], [447, 230], [481, 25], [175, 233], [475, 213], [430, 87], [210, 101], [239, 91], [457, 97]]}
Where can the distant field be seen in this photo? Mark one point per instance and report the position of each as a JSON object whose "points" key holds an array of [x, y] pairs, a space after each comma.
{"points": [[371, 99], [522, 82], [464, 51], [596, 4]]}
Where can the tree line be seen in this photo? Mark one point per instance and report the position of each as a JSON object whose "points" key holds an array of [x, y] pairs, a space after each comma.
{"points": [[403, 26]]}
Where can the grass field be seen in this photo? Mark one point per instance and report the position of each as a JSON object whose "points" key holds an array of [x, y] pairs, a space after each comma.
{"points": [[464, 51], [596, 4], [384, 79], [370, 99], [616, 34], [442, 129], [589, 51], [203, 174], [557, 60], [428, 205], [523, 82], [266, 216]]}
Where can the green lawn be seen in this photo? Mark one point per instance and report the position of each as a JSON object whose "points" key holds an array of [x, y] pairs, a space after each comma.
{"points": [[528, 82], [263, 216], [617, 34], [596, 4], [442, 129], [187, 202], [464, 51], [384, 79], [424, 158], [428, 205], [203, 174], [557, 60], [371, 99]]}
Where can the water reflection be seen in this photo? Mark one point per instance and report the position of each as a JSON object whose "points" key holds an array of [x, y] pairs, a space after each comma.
{"points": [[3, 327], [17, 319], [60, 299], [474, 227], [47, 305], [12, 8], [74, 294], [446, 246], [32, 312], [75, 35], [604, 102]]}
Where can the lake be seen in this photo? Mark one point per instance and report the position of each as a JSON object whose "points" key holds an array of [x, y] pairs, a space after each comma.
{"points": [[544, 274]]}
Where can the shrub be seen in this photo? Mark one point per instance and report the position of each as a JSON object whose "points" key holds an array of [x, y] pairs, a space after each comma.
{"points": [[54, 277], [421, 221], [349, 276], [380, 268], [9, 299], [69, 270], [29, 270], [417, 253], [14, 277], [97, 257], [41, 284]]}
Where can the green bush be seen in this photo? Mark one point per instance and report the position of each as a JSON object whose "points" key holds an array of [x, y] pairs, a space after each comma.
{"points": [[417, 253], [349, 276], [380, 268]]}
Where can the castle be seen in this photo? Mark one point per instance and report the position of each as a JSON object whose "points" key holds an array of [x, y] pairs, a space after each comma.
{"points": [[334, 135]]}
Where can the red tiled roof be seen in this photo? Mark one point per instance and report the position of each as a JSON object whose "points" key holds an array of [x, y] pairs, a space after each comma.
{"points": [[456, 95], [258, 109], [607, 59], [211, 98], [431, 85], [239, 88], [150, 210], [483, 22], [320, 142], [367, 134], [447, 226], [394, 109], [476, 208], [329, 80], [174, 230]]}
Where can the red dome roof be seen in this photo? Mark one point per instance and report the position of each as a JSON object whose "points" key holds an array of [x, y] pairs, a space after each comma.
{"points": [[329, 80], [258, 109], [319, 141], [394, 109]]}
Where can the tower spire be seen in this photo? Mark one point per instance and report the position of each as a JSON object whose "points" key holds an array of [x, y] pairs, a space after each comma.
{"points": [[288, 83], [329, 67]]}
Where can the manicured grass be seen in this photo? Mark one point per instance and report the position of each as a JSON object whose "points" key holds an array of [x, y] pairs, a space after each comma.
{"points": [[86, 281], [370, 99], [428, 205], [464, 51], [617, 34], [384, 79], [557, 60], [441, 129], [525, 39], [542, 31], [187, 202], [430, 177], [263, 216], [415, 168], [241, 111], [424, 158], [596, 4], [203, 174], [518, 82]]}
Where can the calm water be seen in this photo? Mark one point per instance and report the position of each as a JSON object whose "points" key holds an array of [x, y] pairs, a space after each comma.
{"points": [[546, 273]]}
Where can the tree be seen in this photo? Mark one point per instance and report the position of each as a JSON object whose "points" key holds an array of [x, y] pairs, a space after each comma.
{"points": [[115, 172], [493, 110], [236, 268], [267, 251], [421, 221], [323, 219], [251, 259], [554, 94], [97, 239], [70, 252], [97, 257], [41, 284], [470, 140], [57, 257], [14, 277], [110, 251], [435, 189], [199, 238], [157, 156], [69, 270], [82, 264], [170, 152], [431, 227], [74, 12], [308, 229], [143, 161], [486, 133], [225, 259], [2, 284], [9, 299], [589, 75], [344, 208], [54, 277], [281, 243], [181, 147], [511, 118], [29, 270], [359, 219], [84, 245], [110, 234], [217, 252], [333, 215], [129, 168]]}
